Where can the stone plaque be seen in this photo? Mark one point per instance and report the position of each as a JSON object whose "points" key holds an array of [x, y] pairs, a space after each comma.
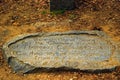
{"points": [[84, 50], [56, 5]]}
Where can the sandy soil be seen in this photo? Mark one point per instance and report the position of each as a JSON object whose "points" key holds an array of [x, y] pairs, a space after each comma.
{"points": [[20, 16]]}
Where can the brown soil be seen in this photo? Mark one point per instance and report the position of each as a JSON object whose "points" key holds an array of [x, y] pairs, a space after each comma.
{"points": [[22, 16]]}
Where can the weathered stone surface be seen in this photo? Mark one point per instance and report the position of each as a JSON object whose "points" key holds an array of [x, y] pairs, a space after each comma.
{"points": [[84, 50], [62, 5]]}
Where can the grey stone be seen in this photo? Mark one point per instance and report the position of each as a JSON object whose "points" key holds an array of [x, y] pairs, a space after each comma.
{"points": [[84, 50], [62, 5]]}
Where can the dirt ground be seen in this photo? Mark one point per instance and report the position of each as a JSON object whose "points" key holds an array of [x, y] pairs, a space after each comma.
{"points": [[22, 16]]}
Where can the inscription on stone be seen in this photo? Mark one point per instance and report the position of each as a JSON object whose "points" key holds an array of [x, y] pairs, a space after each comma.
{"points": [[80, 50]]}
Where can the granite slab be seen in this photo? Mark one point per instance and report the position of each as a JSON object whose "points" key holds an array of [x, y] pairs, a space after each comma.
{"points": [[83, 50]]}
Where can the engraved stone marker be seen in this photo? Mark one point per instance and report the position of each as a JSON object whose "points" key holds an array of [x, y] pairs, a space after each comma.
{"points": [[62, 5], [84, 50]]}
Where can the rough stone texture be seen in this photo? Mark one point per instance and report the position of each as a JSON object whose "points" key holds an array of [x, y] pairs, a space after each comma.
{"points": [[62, 5], [84, 50]]}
